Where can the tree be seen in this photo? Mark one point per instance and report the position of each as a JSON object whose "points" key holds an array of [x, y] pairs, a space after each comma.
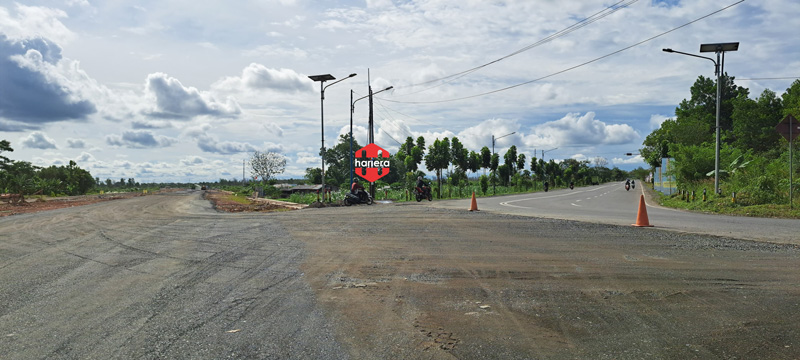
{"points": [[407, 146], [521, 162], [754, 121], [417, 155], [702, 105], [535, 169], [486, 158], [421, 144], [266, 165], [510, 159], [458, 154], [599, 161], [438, 158], [791, 100], [473, 161], [4, 146], [314, 175], [504, 173]]}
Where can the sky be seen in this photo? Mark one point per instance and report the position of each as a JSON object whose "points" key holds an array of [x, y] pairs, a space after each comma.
{"points": [[185, 91]]}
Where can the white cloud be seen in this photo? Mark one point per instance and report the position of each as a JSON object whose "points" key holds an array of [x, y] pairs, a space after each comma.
{"points": [[150, 124], [307, 158], [39, 86], [576, 130], [656, 120], [85, 158], [33, 22], [173, 100], [192, 160], [76, 143], [273, 51], [633, 160], [138, 139], [38, 140], [259, 77]]}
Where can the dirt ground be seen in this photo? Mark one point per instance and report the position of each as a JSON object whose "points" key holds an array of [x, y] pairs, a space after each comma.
{"points": [[417, 282], [221, 201], [32, 205], [168, 277]]}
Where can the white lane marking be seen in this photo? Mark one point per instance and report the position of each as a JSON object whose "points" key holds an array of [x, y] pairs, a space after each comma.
{"points": [[574, 204], [508, 203]]}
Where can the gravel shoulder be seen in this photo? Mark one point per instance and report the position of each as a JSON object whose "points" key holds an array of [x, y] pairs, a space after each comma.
{"points": [[155, 277], [167, 276], [413, 281]]}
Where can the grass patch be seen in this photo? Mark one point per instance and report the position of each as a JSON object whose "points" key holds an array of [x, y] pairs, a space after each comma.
{"points": [[238, 198], [724, 205]]}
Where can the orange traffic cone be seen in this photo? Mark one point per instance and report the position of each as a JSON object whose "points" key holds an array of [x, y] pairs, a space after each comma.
{"points": [[474, 205], [641, 218]]}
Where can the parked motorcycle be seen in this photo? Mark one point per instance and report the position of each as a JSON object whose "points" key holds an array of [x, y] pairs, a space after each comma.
{"points": [[423, 193], [363, 197]]}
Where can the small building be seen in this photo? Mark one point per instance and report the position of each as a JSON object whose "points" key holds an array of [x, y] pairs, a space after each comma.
{"points": [[305, 189]]}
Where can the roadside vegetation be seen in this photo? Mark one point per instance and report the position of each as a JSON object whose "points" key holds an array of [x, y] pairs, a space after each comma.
{"points": [[754, 157]]}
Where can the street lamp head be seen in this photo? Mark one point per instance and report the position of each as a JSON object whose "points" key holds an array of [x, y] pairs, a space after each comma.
{"points": [[323, 77], [351, 75], [389, 88], [667, 50], [731, 46]]}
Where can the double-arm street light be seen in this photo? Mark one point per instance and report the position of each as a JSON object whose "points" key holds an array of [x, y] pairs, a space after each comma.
{"points": [[322, 79], [494, 139], [719, 68], [352, 110]]}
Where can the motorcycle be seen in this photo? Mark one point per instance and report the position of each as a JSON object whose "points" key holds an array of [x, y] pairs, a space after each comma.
{"points": [[627, 186], [546, 186], [363, 197], [423, 193], [633, 185], [571, 185]]}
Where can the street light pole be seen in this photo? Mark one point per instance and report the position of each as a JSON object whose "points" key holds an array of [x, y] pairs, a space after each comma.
{"points": [[352, 110], [494, 185], [719, 67], [322, 79]]}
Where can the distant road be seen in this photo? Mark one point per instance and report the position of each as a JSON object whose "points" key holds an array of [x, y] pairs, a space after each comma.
{"points": [[611, 204]]}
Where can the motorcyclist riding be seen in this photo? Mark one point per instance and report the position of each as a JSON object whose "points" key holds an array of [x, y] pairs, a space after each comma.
{"points": [[356, 187], [422, 190], [420, 183]]}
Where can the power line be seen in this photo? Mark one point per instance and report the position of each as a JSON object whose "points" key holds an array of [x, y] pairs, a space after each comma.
{"points": [[580, 24], [573, 67], [772, 78]]}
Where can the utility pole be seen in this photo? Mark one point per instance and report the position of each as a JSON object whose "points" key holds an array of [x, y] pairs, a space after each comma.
{"points": [[371, 131]]}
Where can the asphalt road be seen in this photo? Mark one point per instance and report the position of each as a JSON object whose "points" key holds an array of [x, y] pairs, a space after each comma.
{"points": [[610, 203], [167, 277]]}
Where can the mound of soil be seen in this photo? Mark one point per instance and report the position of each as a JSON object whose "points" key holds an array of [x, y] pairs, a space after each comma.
{"points": [[223, 201]]}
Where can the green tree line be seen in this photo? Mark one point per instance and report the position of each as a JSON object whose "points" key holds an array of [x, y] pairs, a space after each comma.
{"points": [[453, 165], [22, 177], [754, 157]]}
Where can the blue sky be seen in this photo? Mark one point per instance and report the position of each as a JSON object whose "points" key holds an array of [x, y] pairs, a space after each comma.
{"points": [[185, 90]]}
